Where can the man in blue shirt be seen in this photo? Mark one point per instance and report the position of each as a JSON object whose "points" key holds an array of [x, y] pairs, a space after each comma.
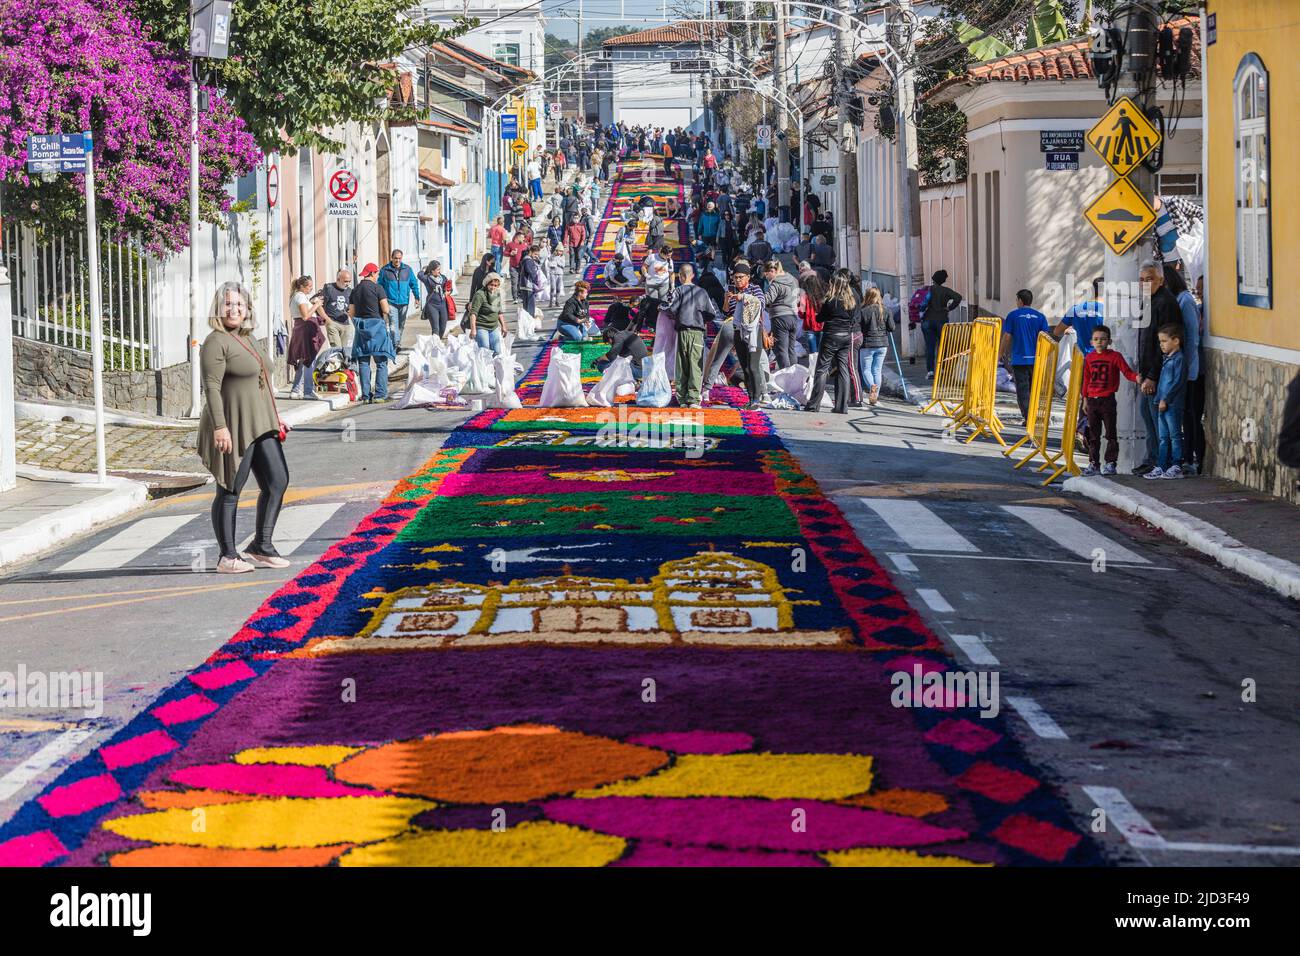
{"points": [[1019, 344], [1083, 318], [399, 283]]}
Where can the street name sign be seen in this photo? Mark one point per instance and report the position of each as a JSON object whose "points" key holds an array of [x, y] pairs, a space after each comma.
{"points": [[1121, 215], [58, 152], [1062, 161], [343, 202], [1124, 136]]}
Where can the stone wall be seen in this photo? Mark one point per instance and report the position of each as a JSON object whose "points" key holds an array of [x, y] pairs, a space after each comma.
{"points": [[49, 373], [1243, 413]]}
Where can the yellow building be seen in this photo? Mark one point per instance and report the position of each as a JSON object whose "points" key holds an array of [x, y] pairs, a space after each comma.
{"points": [[1252, 350]]}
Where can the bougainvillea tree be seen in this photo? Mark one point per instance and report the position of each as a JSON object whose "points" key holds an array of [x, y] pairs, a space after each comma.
{"points": [[76, 65]]}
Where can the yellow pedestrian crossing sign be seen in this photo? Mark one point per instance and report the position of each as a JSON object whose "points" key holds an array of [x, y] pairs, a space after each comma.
{"points": [[520, 147], [530, 117], [1124, 136], [1121, 215]]}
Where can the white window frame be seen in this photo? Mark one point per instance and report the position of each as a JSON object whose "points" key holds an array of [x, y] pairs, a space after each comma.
{"points": [[1253, 220]]}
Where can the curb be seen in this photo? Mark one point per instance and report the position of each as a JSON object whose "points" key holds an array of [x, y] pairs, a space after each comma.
{"points": [[35, 536], [302, 412], [1276, 573]]}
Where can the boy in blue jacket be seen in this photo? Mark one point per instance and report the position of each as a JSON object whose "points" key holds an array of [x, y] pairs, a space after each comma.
{"points": [[1171, 391]]}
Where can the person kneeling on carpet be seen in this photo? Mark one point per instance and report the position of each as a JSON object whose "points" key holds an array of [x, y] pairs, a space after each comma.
{"points": [[623, 342], [575, 323]]}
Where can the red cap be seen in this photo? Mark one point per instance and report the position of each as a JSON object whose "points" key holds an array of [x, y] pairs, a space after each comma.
{"points": [[369, 270]]}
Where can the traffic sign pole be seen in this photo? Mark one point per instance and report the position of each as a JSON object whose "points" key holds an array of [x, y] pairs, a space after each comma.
{"points": [[96, 319]]}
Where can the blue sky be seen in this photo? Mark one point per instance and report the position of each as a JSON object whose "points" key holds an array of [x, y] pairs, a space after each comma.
{"points": [[606, 13]]}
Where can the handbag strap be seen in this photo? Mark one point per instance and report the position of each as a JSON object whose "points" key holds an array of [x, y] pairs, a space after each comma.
{"points": [[265, 377]]}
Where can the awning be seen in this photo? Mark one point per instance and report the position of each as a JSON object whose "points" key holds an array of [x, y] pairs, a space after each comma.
{"points": [[435, 179]]}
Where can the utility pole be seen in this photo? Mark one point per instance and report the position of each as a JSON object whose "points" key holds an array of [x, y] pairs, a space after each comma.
{"points": [[1123, 304], [196, 320], [779, 59], [847, 193], [582, 73], [909, 198]]}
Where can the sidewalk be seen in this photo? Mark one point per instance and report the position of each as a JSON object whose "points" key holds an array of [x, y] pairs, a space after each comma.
{"points": [[1244, 530], [57, 497]]}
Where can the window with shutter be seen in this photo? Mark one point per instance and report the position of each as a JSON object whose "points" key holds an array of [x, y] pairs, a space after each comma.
{"points": [[1254, 235]]}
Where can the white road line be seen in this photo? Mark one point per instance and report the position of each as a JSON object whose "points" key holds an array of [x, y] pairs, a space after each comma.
{"points": [[1072, 534], [935, 600], [296, 526], [1037, 718], [975, 650], [39, 762], [128, 544], [1124, 817], [902, 562], [917, 525], [1004, 557], [1142, 835]]}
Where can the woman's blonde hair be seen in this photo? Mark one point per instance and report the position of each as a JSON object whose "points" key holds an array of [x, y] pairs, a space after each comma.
{"points": [[872, 297], [218, 307], [842, 291]]}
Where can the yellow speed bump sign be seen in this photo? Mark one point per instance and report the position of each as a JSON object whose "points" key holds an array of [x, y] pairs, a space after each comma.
{"points": [[1121, 215], [1124, 136], [520, 147]]}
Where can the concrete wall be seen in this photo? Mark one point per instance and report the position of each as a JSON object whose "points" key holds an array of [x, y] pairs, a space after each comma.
{"points": [[50, 373]]}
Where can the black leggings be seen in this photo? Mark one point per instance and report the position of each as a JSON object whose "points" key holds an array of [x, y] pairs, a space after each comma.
{"points": [[265, 458]]}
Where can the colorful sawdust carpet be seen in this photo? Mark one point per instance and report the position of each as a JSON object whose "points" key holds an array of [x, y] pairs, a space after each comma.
{"points": [[574, 637]]}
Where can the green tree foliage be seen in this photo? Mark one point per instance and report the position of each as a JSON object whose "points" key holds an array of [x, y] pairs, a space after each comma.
{"points": [[297, 67]]}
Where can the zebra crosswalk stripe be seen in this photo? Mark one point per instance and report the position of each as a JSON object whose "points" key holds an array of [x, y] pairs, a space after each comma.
{"points": [[296, 526], [918, 526], [128, 544], [1072, 534]]}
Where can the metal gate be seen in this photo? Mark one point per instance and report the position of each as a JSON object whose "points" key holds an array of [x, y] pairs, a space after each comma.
{"points": [[51, 301]]}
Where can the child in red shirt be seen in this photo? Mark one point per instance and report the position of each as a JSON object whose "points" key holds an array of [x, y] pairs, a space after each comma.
{"points": [[1101, 371]]}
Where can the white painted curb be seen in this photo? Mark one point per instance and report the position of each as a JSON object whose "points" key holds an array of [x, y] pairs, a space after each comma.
{"points": [[121, 497], [302, 412], [1277, 573]]}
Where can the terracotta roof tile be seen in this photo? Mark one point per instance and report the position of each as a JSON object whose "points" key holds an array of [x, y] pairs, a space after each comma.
{"points": [[429, 176], [686, 31], [1068, 60]]}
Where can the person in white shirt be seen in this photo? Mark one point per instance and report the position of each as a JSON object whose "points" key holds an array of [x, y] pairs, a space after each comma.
{"points": [[533, 172], [657, 268]]}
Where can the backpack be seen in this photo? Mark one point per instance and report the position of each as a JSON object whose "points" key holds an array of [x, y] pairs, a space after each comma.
{"points": [[808, 314], [917, 305]]}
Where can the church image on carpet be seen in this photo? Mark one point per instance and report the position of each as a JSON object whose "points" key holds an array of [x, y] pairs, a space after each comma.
{"points": [[711, 597]]}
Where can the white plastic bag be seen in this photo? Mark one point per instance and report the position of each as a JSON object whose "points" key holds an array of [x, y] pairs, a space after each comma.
{"points": [[666, 343], [526, 324], [795, 381], [481, 378], [563, 385], [612, 382], [656, 390], [503, 394]]}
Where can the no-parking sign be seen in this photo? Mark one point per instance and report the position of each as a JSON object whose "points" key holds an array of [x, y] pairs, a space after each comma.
{"points": [[343, 202]]}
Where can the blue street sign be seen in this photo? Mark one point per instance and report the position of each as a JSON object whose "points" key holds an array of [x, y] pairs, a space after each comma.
{"points": [[509, 125], [1062, 161], [58, 152]]}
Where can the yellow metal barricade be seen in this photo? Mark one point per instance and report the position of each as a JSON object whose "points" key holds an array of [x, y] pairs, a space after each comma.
{"points": [[1041, 394], [952, 363], [979, 411], [1064, 459]]}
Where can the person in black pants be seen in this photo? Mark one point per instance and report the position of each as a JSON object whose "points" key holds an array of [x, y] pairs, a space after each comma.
{"points": [[840, 318], [435, 298], [783, 309]]}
